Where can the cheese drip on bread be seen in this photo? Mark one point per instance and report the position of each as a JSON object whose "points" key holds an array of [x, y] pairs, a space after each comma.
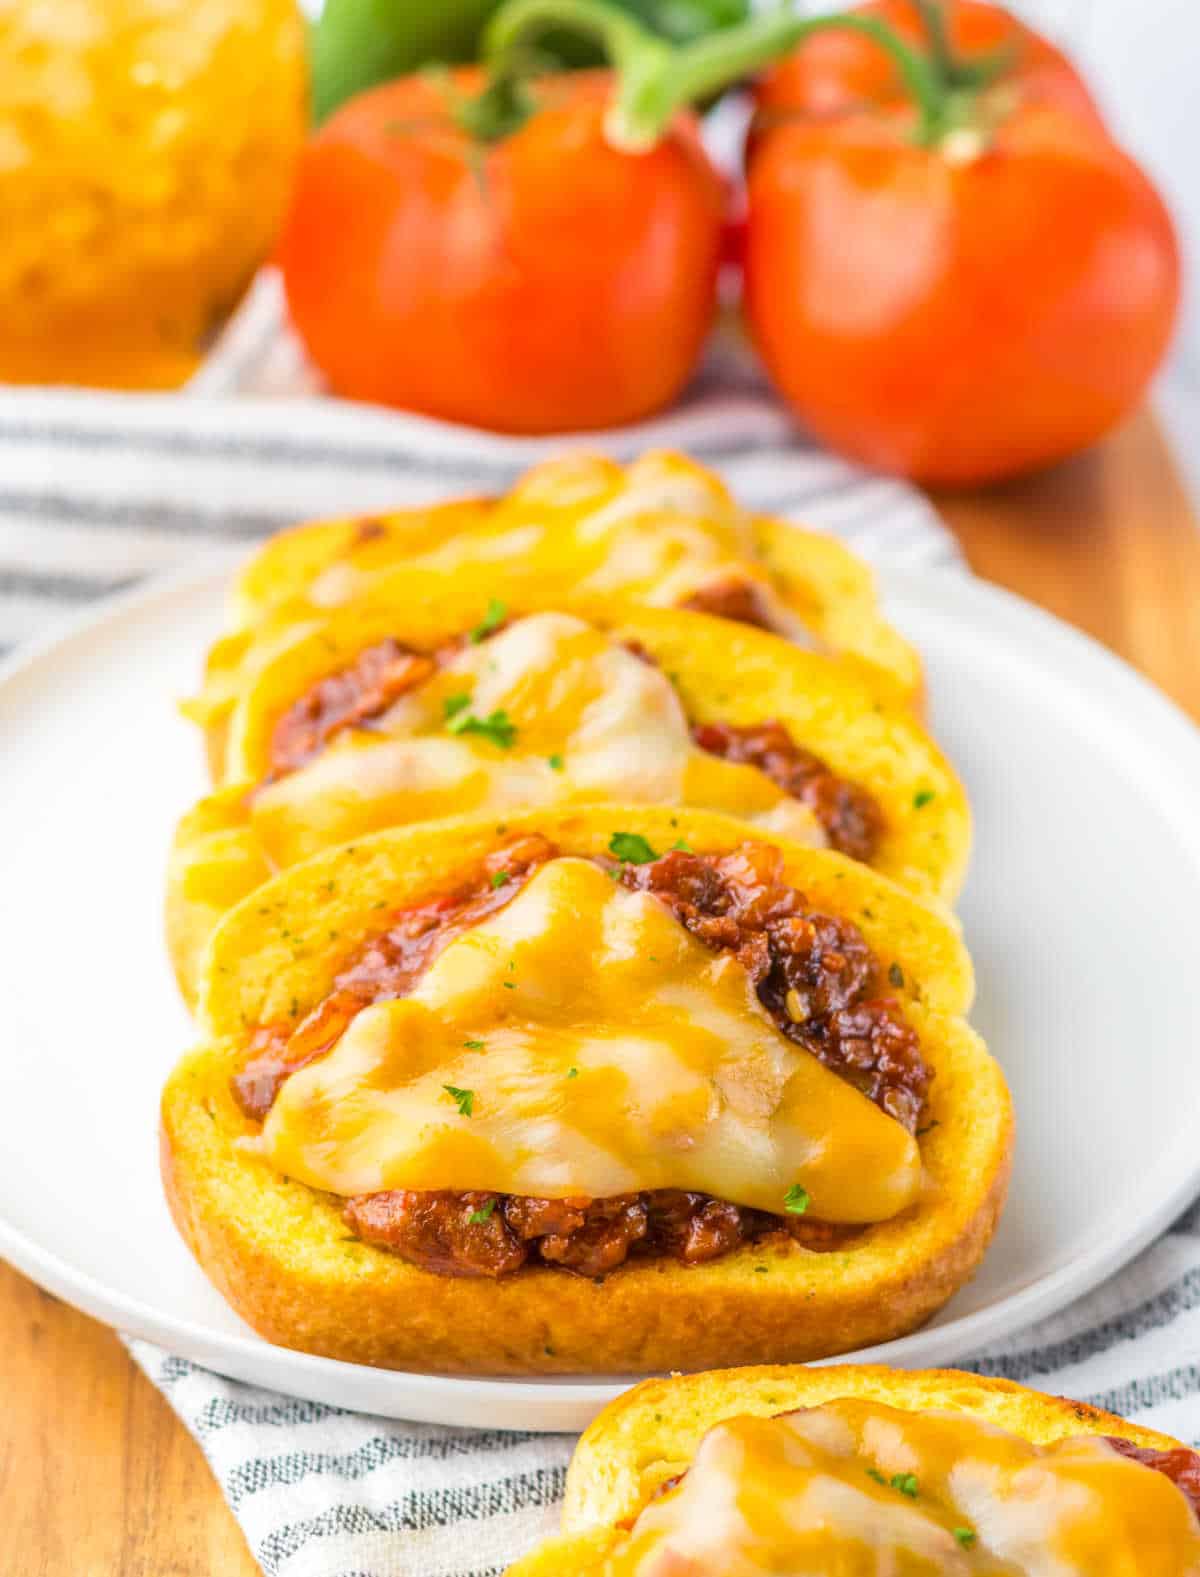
{"points": [[583, 719], [604, 1050], [659, 533], [865, 1490]]}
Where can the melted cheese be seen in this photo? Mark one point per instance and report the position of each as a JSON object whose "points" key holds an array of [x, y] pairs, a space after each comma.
{"points": [[573, 695], [798, 1494], [658, 533], [681, 1078]]}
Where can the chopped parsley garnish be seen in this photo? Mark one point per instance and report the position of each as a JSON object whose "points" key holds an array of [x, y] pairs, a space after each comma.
{"points": [[572, 1073], [495, 616], [631, 847], [896, 976], [873, 1472], [463, 1099], [509, 985], [454, 704], [795, 1201], [906, 1483], [481, 1214], [682, 844], [501, 878], [471, 1045], [555, 762], [965, 1536], [497, 726], [922, 797]]}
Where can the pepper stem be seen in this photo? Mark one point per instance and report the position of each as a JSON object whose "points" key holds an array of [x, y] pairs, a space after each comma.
{"points": [[656, 79]]}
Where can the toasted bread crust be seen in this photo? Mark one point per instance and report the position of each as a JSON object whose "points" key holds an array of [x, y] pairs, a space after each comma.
{"points": [[652, 1432], [280, 1252]]}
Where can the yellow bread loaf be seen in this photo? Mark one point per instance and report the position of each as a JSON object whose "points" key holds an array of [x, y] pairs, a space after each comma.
{"points": [[650, 1435], [718, 672], [660, 531], [279, 1249]]}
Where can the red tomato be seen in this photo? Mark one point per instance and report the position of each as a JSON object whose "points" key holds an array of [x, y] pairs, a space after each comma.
{"points": [[543, 282], [834, 72], [951, 313]]}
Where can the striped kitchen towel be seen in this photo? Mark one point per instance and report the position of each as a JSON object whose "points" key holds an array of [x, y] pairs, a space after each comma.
{"points": [[325, 1493], [99, 491]]}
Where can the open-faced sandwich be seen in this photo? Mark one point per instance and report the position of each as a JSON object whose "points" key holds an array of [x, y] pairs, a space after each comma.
{"points": [[385, 714], [594, 1090], [870, 1472], [662, 532]]}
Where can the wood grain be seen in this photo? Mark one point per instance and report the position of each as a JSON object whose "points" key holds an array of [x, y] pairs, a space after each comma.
{"points": [[97, 1477], [1108, 542]]}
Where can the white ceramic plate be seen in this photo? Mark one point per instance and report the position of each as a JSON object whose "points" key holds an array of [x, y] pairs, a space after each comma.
{"points": [[1080, 913]]}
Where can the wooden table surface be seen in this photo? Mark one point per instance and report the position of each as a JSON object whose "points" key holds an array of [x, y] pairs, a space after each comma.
{"points": [[97, 1477]]}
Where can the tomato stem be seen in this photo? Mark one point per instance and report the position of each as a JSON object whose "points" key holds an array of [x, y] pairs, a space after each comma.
{"points": [[655, 79], [955, 71]]}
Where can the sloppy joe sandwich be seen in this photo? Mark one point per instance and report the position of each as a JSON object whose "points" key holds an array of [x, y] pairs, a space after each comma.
{"points": [[870, 1470], [661, 532], [589, 1090], [376, 716]]}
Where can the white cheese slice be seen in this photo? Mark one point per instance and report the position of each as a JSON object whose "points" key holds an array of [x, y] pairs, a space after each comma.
{"points": [[590, 721], [860, 1488], [606, 1050]]}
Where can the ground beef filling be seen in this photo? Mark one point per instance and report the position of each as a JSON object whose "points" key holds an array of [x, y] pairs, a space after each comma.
{"points": [[355, 695], [849, 814], [358, 694], [478, 1234], [814, 973], [739, 600], [388, 966]]}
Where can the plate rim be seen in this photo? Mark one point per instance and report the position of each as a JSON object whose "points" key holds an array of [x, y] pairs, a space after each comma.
{"points": [[549, 1403]]}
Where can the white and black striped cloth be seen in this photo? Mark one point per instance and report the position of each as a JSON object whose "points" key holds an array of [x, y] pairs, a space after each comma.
{"points": [[99, 491]]}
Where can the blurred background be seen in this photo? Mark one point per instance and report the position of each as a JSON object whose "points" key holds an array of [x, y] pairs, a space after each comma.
{"points": [[1141, 57], [152, 156]]}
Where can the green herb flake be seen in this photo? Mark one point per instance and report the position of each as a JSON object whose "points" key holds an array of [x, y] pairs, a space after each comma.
{"points": [[501, 878], [454, 704], [495, 616], [965, 1536], [496, 726], [896, 976], [873, 1472], [795, 1201], [631, 847], [463, 1099], [482, 1214], [922, 797], [906, 1483], [572, 1073], [473, 1045], [928, 1128], [509, 985], [555, 762], [683, 845], [760, 1270]]}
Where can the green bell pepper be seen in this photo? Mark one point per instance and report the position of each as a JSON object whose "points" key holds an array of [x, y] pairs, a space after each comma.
{"points": [[357, 43]]}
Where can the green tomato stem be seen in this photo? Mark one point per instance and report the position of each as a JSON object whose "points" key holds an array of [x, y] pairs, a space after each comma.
{"points": [[656, 80]]}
